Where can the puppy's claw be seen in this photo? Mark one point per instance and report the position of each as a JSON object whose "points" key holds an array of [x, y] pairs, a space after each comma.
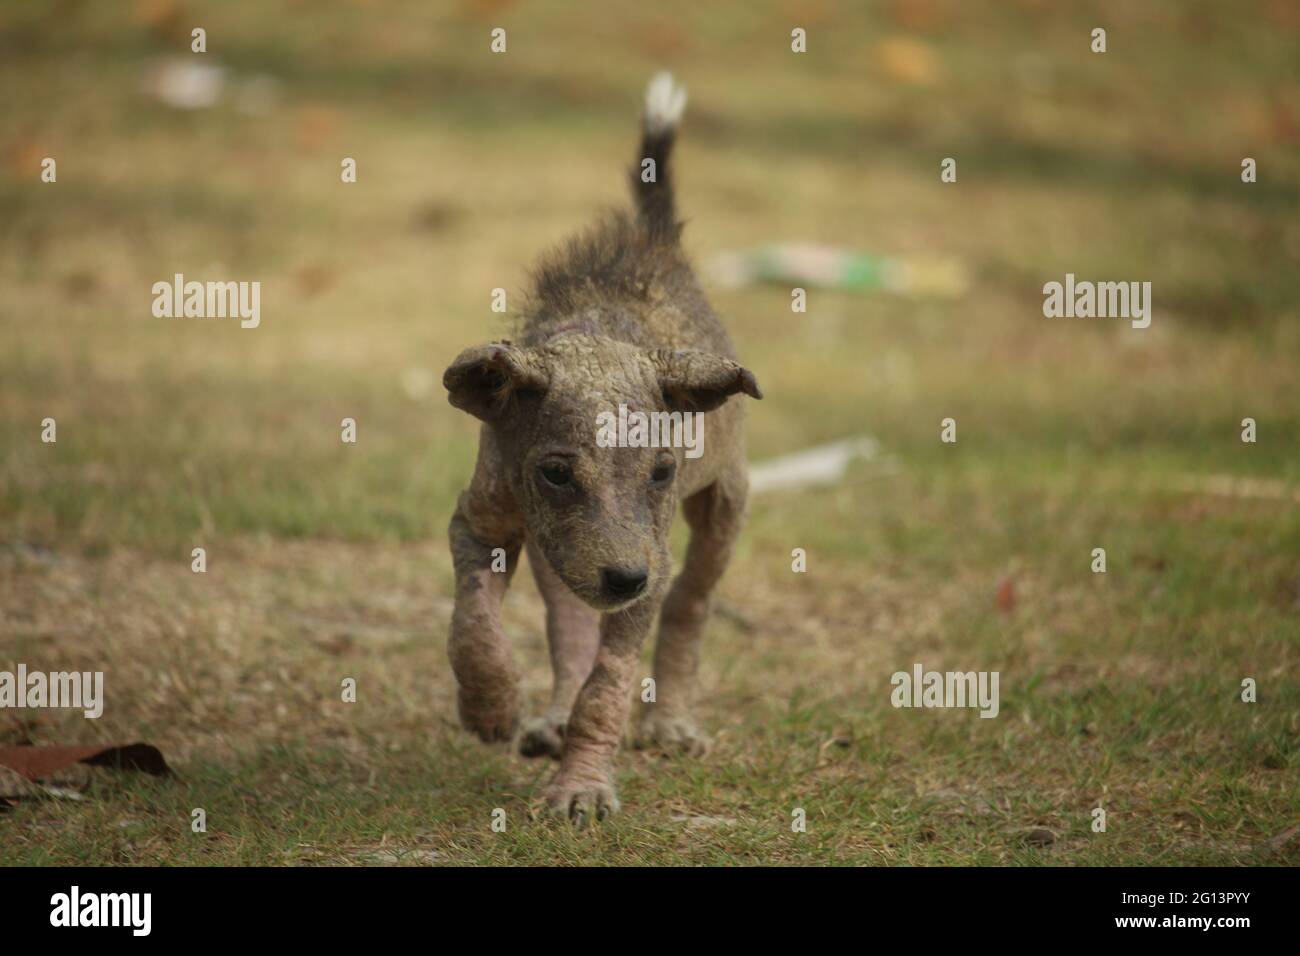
{"points": [[491, 720], [580, 802], [542, 737]]}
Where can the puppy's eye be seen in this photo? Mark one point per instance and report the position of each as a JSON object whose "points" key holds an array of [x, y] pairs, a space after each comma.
{"points": [[556, 473], [663, 473]]}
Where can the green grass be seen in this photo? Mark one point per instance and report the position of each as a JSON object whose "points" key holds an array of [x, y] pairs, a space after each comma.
{"points": [[329, 561]]}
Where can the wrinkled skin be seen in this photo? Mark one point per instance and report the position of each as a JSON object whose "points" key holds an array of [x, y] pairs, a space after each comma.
{"points": [[616, 318], [617, 505]]}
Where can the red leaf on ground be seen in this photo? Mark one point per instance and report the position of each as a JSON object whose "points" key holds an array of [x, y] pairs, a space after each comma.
{"points": [[1006, 595], [37, 762]]}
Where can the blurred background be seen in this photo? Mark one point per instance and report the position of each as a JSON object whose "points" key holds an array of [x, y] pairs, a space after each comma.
{"points": [[1072, 434]]}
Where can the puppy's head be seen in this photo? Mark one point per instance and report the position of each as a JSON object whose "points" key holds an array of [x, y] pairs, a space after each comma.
{"points": [[599, 511]]}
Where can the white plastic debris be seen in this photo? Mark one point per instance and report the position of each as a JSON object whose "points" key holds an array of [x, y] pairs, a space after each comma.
{"points": [[823, 465], [184, 83]]}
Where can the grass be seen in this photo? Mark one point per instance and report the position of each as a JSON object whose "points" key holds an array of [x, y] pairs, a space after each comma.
{"points": [[329, 561]]}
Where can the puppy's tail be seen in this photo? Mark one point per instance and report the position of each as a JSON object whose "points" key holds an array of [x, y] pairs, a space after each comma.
{"points": [[652, 183]]}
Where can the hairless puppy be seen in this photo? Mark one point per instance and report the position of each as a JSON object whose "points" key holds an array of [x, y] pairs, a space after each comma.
{"points": [[615, 324]]}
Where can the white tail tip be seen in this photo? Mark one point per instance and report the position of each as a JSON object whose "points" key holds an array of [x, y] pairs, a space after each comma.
{"points": [[665, 102]]}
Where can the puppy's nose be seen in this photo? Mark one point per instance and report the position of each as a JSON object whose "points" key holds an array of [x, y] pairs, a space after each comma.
{"points": [[623, 583]]}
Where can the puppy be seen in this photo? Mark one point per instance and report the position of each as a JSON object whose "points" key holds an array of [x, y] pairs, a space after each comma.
{"points": [[616, 328]]}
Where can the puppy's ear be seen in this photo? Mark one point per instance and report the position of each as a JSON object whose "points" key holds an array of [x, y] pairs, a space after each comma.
{"points": [[695, 381], [484, 380]]}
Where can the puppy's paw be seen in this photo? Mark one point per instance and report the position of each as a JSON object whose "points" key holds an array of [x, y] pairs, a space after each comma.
{"points": [[671, 734], [542, 737], [581, 801], [493, 719]]}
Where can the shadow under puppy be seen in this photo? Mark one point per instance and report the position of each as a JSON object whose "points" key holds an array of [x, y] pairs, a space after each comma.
{"points": [[616, 325]]}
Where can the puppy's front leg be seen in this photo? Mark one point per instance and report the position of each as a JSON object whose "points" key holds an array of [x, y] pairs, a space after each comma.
{"points": [[583, 788], [715, 516], [485, 520]]}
